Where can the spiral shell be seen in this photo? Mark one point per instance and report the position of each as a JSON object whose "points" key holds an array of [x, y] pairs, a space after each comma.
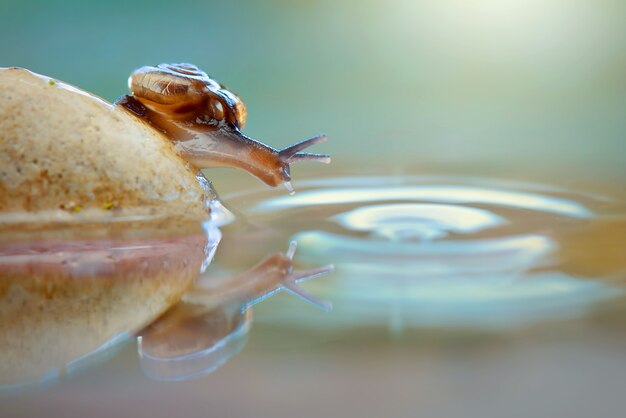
{"points": [[179, 89]]}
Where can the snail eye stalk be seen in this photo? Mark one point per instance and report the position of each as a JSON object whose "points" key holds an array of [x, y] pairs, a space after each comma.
{"points": [[292, 153]]}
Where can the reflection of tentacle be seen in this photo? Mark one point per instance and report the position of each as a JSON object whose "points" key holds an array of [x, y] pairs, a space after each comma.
{"points": [[304, 275], [290, 285], [291, 251]]}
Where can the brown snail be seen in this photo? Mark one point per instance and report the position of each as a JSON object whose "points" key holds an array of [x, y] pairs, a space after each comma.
{"points": [[204, 120]]}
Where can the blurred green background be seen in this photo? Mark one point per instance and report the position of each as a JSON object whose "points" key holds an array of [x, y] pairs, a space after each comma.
{"points": [[531, 89]]}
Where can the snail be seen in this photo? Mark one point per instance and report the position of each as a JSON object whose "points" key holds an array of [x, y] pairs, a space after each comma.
{"points": [[69, 156], [204, 120]]}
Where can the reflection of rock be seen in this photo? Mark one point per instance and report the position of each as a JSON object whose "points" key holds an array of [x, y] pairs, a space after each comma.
{"points": [[62, 298]]}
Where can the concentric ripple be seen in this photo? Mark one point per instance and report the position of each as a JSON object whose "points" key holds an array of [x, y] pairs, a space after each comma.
{"points": [[448, 251]]}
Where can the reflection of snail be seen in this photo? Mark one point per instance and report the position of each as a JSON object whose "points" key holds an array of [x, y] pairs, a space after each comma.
{"points": [[211, 323], [64, 297], [66, 154]]}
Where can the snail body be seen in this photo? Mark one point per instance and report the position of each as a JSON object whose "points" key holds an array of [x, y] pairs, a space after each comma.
{"points": [[66, 154], [204, 120]]}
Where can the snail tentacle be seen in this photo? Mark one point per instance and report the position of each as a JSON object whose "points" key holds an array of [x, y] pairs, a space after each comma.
{"points": [[291, 154], [307, 156], [291, 150]]}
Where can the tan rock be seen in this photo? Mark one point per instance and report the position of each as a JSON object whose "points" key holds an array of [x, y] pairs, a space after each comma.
{"points": [[66, 155]]}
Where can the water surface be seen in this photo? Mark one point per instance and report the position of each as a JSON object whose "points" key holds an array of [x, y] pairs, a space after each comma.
{"points": [[438, 281], [448, 251]]}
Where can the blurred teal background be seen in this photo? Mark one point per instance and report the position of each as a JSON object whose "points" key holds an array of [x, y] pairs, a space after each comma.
{"points": [[529, 89], [509, 89]]}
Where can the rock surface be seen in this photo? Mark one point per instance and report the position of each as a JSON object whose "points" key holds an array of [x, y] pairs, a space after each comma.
{"points": [[66, 155]]}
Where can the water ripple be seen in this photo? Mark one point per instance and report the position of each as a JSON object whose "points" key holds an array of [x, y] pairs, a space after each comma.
{"points": [[417, 221], [441, 193], [442, 251]]}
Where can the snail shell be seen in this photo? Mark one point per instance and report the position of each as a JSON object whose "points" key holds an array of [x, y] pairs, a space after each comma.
{"points": [[179, 89]]}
